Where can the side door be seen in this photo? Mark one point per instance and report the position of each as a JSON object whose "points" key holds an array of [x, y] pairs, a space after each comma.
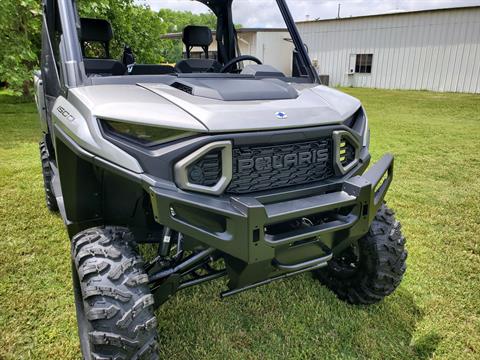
{"points": [[47, 80]]}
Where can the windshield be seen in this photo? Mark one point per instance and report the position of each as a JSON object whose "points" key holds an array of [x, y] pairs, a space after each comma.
{"points": [[190, 37]]}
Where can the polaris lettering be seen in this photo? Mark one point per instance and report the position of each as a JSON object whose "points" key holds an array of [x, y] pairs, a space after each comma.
{"points": [[281, 162]]}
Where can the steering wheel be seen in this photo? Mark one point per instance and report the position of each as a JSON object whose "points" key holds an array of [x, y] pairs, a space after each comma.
{"points": [[229, 65]]}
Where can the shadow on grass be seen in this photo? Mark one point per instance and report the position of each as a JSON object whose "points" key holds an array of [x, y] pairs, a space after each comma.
{"points": [[19, 122], [387, 329], [8, 97], [19, 125], [295, 319], [425, 346]]}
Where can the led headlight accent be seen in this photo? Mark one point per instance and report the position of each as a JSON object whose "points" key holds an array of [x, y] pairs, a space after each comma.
{"points": [[143, 134], [347, 150]]}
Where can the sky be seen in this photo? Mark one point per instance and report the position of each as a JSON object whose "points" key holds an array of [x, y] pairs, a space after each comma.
{"points": [[264, 13]]}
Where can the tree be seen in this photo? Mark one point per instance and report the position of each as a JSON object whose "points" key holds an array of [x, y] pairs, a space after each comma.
{"points": [[175, 21], [142, 28], [20, 43], [135, 25]]}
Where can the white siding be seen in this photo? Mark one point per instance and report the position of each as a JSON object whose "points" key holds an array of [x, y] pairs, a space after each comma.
{"points": [[273, 49], [434, 50]]}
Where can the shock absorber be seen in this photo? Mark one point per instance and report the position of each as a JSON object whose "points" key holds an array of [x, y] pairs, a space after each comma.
{"points": [[164, 248]]}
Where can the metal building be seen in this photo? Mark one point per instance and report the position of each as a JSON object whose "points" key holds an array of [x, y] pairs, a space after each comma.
{"points": [[271, 45], [436, 50]]}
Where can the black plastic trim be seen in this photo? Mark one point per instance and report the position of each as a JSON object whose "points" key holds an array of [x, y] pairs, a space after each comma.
{"points": [[159, 161], [85, 155]]}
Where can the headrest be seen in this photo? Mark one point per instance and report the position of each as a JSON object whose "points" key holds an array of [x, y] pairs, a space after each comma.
{"points": [[95, 30], [197, 36]]}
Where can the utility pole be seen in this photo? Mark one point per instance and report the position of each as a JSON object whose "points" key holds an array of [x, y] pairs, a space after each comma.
{"points": [[339, 7]]}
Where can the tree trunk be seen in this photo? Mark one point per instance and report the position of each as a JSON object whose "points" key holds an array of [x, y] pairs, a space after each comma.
{"points": [[26, 88]]}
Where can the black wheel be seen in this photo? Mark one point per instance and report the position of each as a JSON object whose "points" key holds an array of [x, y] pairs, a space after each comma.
{"points": [[112, 297], [373, 267], [47, 178]]}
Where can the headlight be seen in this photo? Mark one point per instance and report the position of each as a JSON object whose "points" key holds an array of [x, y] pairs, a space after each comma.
{"points": [[358, 122], [144, 135]]}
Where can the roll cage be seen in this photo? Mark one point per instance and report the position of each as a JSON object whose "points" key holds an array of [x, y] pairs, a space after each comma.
{"points": [[62, 59]]}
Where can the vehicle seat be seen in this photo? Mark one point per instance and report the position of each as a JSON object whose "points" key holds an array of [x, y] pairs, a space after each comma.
{"points": [[99, 31], [147, 69], [200, 36]]}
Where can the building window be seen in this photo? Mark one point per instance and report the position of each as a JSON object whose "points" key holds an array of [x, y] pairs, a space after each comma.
{"points": [[363, 65]]}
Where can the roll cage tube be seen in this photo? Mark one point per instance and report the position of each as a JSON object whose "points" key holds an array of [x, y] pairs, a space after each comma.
{"points": [[71, 54], [226, 34], [226, 37], [297, 41]]}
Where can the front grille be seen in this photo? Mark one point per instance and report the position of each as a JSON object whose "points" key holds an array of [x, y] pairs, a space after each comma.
{"points": [[257, 168]]}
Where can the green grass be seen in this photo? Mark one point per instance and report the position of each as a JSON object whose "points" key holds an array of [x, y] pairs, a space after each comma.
{"points": [[434, 314]]}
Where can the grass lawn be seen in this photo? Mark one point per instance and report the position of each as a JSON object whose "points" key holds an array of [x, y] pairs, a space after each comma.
{"points": [[435, 312]]}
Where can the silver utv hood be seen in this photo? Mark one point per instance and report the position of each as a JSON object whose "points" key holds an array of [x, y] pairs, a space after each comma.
{"points": [[207, 111]]}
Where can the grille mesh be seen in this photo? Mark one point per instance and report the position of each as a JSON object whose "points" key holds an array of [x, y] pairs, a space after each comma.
{"points": [[206, 171], [257, 168], [347, 152]]}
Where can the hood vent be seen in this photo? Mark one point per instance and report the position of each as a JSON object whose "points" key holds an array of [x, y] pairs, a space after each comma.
{"points": [[236, 89], [182, 87]]}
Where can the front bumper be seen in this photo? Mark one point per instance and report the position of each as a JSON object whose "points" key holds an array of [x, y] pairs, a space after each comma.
{"points": [[239, 226]]}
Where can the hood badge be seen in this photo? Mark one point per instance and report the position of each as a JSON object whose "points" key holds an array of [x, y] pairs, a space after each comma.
{"points": [[281, 115]]}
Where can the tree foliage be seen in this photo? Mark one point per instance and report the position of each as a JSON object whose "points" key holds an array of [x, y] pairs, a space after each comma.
{"points": [[175, 21], [135, 25], [141, 28], [20, 25]]}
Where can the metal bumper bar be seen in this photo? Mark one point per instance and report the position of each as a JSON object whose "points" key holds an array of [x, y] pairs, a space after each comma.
{"points": [[238, 225]]}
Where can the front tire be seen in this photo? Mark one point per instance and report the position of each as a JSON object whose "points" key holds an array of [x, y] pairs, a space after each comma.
{"points": [[112, 297], [47, 178], [372, 268]]}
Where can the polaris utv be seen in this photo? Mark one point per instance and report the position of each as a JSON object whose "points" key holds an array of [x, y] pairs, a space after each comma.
{"points": [[214, 167]]}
